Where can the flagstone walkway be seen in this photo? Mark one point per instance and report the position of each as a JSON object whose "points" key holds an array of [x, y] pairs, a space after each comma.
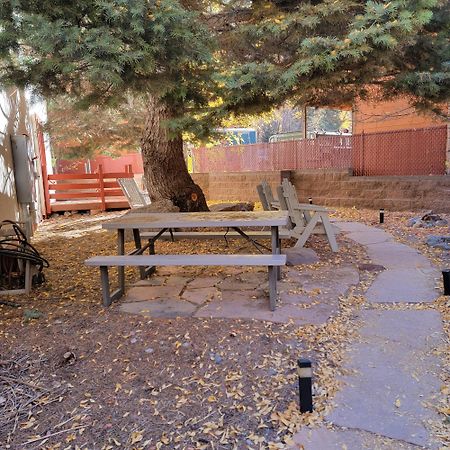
{"points": [[388, 401]]}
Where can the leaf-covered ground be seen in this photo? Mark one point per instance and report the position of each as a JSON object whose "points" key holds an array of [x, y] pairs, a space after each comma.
{"points": [[76, 375]]}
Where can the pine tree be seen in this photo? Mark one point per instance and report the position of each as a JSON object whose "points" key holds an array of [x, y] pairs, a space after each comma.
{"points": [[100, 50], [329, 52], [195, 62]]}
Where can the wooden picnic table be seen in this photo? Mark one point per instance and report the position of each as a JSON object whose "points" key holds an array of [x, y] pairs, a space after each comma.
{"points": [[235, 220]]}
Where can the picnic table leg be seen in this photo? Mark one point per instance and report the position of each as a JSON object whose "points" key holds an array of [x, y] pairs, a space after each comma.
{"points": [[276, 248], [273, 275], [105, 286], [138, 246], [121, 251]]}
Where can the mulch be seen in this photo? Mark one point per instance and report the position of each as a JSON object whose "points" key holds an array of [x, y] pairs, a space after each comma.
{"points": [[113, 380]]}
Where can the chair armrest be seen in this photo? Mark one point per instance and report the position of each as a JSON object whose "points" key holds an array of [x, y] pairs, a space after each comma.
{"points": [[308, 207], [275, 204]]}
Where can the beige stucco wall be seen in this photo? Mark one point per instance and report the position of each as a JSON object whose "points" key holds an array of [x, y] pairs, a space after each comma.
{"points": [[15, 119]]}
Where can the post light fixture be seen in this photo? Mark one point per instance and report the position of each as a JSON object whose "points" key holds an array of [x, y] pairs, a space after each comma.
{"points": [[381, 215], [305, 385], [446, 279], [310, 200]]}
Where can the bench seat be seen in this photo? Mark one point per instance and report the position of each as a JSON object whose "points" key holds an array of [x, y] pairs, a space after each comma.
{"points": [[188, 260], [271, 261]]}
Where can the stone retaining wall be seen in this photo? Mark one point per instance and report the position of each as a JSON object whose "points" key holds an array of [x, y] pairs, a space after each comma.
{"points": [[337, 188], [234, 186], [340, 188]]}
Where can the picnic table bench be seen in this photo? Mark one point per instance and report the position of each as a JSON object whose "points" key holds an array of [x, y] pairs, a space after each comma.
{"points": [[166, 221]]}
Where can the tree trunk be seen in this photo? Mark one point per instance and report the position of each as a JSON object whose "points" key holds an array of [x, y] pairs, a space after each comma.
{"points": [[165, 171]]}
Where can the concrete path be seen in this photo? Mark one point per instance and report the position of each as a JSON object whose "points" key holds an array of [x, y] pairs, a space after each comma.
{"points": [[387, 402], [409, 276], [396, 376]]}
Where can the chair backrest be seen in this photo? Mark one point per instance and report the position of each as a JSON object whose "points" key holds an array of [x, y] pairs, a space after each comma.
{"points": [[134, 196], [266, 196], [288, 193], [268, 193], [262, 197]]}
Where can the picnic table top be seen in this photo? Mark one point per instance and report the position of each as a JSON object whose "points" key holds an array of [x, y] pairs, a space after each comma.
{"points": [[198, 220]]}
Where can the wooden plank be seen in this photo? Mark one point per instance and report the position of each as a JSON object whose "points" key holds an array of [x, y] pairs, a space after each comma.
{"points": [[111, 184], [73, 195], [113, 193], [75, 206], [71, 186], [88, 205], [73, 176], [102, 187], [312, 208], [88, 194], [201, 219], [284, 234], [188, 260], [117, 204], [118, 175], [262, 197]]}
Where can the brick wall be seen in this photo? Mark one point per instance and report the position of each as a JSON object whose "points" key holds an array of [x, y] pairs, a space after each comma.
{"points": [[337, 188]]}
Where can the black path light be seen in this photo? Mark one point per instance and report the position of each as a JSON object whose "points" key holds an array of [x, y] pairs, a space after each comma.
{"points": [[381, 215], [446, 279], [305, 385], [310, 200]]}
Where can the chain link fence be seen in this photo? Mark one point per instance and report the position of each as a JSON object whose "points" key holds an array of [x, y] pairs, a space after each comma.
{"points": [[403, 152]]}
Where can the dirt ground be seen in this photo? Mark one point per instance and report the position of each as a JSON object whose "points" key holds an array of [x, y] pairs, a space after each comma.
{"points": [[74, 375]]}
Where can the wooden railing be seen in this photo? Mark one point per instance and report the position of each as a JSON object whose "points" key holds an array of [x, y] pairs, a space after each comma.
{"points": [[89, 191]]}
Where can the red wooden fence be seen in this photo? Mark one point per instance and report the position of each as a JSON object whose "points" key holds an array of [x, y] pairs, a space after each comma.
{"points": [[109, 164], [86, 191]]}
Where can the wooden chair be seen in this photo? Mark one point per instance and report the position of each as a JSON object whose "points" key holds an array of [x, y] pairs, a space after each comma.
{"points": [[272, 203], [306, 219], [134, 195]]}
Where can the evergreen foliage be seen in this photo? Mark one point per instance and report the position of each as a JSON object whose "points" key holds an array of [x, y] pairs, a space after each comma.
{"points": [[206, 60], [99, 50], [329, 52]]}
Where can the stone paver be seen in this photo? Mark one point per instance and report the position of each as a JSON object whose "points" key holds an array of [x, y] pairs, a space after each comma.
{"points": [[350, 227], [403, 285], [203, 282], [409, 276], [330, 439], [373, 236], [396, 255], [296, 256], [142, 293], [241, 305], [200, 296], [307, 297], [396, 375], [162, 308]]}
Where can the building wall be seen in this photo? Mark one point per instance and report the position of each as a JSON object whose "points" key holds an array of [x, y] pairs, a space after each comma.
{"points": [[15, 119], [372, 117], [337, 188]]}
